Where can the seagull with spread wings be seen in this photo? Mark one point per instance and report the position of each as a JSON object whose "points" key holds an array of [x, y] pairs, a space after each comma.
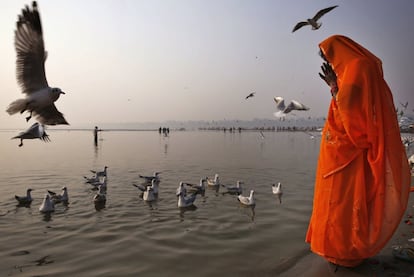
{"points": [[314, 20], [36, 131], [30, 71], [250, 95], [283, 109]]}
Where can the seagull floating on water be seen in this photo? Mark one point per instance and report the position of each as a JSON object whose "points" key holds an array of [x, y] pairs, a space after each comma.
{"points": [[184, 200], [102, 173], [47, 205], [30, 68], [314, 20], [62, 197], [36, 131], [277, 190], [92, 180], [283, 110], [200, 188], [143, 188], [149, 179], [250, 95], [234, 189], [25, 200], [100, 196], [247, 200], [101, 184], [154, 186], [215, 182], [149, 194]]}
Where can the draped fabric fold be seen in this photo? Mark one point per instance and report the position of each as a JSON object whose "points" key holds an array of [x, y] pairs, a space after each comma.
{"points": [[363, 177]]}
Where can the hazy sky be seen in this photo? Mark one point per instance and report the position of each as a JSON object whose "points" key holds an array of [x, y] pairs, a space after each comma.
{"points": [[149, 60]]}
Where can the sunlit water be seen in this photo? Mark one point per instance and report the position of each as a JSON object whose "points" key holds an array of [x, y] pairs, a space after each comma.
{"points": [[132, 238]]}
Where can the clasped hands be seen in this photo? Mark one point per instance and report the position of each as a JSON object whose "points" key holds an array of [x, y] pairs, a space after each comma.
{"points": [[329, 77]]}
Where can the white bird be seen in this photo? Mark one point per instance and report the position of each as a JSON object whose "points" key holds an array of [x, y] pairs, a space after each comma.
{"points": [[314, 20], [30, 68], [411, 161], [250, 95], [101, 184], [36, 131], [25, 200], [404, 105], [92, 180], [62, 197], [154, 186], [283, 110], [181, 189], [149, 179], [277, 190], [215, 182], [183, 200], [102, 173], [200, 188], [149, 194], [234, 189], [47, 205], [247, 200], [100, 196]]}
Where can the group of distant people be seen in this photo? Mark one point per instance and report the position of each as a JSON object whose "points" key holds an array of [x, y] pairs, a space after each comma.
{"points": [[164, 130]]}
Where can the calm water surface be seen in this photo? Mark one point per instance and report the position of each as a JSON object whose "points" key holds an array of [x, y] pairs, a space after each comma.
{"points": [[130, 237]]}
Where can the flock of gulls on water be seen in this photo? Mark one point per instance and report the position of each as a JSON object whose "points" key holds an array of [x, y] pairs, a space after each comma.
{"points": [[149, 188], [40, 98]]}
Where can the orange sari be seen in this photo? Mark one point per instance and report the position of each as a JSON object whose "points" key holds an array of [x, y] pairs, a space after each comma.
{"points": [[363, 177]]}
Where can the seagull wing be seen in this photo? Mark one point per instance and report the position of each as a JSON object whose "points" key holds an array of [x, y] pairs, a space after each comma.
{"points": [[250, 95], [322, 12], [50, 116], [31, 55], [31, 133], [299, 25], [42, 134], [280, 103], [295, 105], [140, 187]]}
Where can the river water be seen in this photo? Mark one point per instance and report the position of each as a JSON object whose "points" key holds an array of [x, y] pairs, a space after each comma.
{"points": [[130, 237]]}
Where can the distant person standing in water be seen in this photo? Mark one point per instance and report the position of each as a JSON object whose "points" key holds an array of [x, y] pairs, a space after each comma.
{"points": [[95, 134], [362, 179]]}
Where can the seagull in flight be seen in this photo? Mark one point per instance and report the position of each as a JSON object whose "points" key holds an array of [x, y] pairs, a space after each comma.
{"points": [[250, 95], [30, 71], [404, 105], [313, 21], [35, 131], [283, 109]]}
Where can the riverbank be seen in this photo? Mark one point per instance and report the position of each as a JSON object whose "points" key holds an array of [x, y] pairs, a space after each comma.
{"points": [[383, 264]]}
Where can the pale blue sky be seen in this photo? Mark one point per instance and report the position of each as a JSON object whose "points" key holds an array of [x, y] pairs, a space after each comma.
{"points": [[148, 60]]}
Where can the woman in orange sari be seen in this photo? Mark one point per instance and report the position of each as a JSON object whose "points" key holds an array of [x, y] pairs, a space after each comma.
{"points": [[362, 179]]}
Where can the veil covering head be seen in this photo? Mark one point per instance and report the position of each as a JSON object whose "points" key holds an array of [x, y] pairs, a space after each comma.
{"points": [[363, 177]]}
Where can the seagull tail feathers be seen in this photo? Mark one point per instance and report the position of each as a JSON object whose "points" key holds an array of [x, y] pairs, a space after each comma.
{"points": [[17, 106]]}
